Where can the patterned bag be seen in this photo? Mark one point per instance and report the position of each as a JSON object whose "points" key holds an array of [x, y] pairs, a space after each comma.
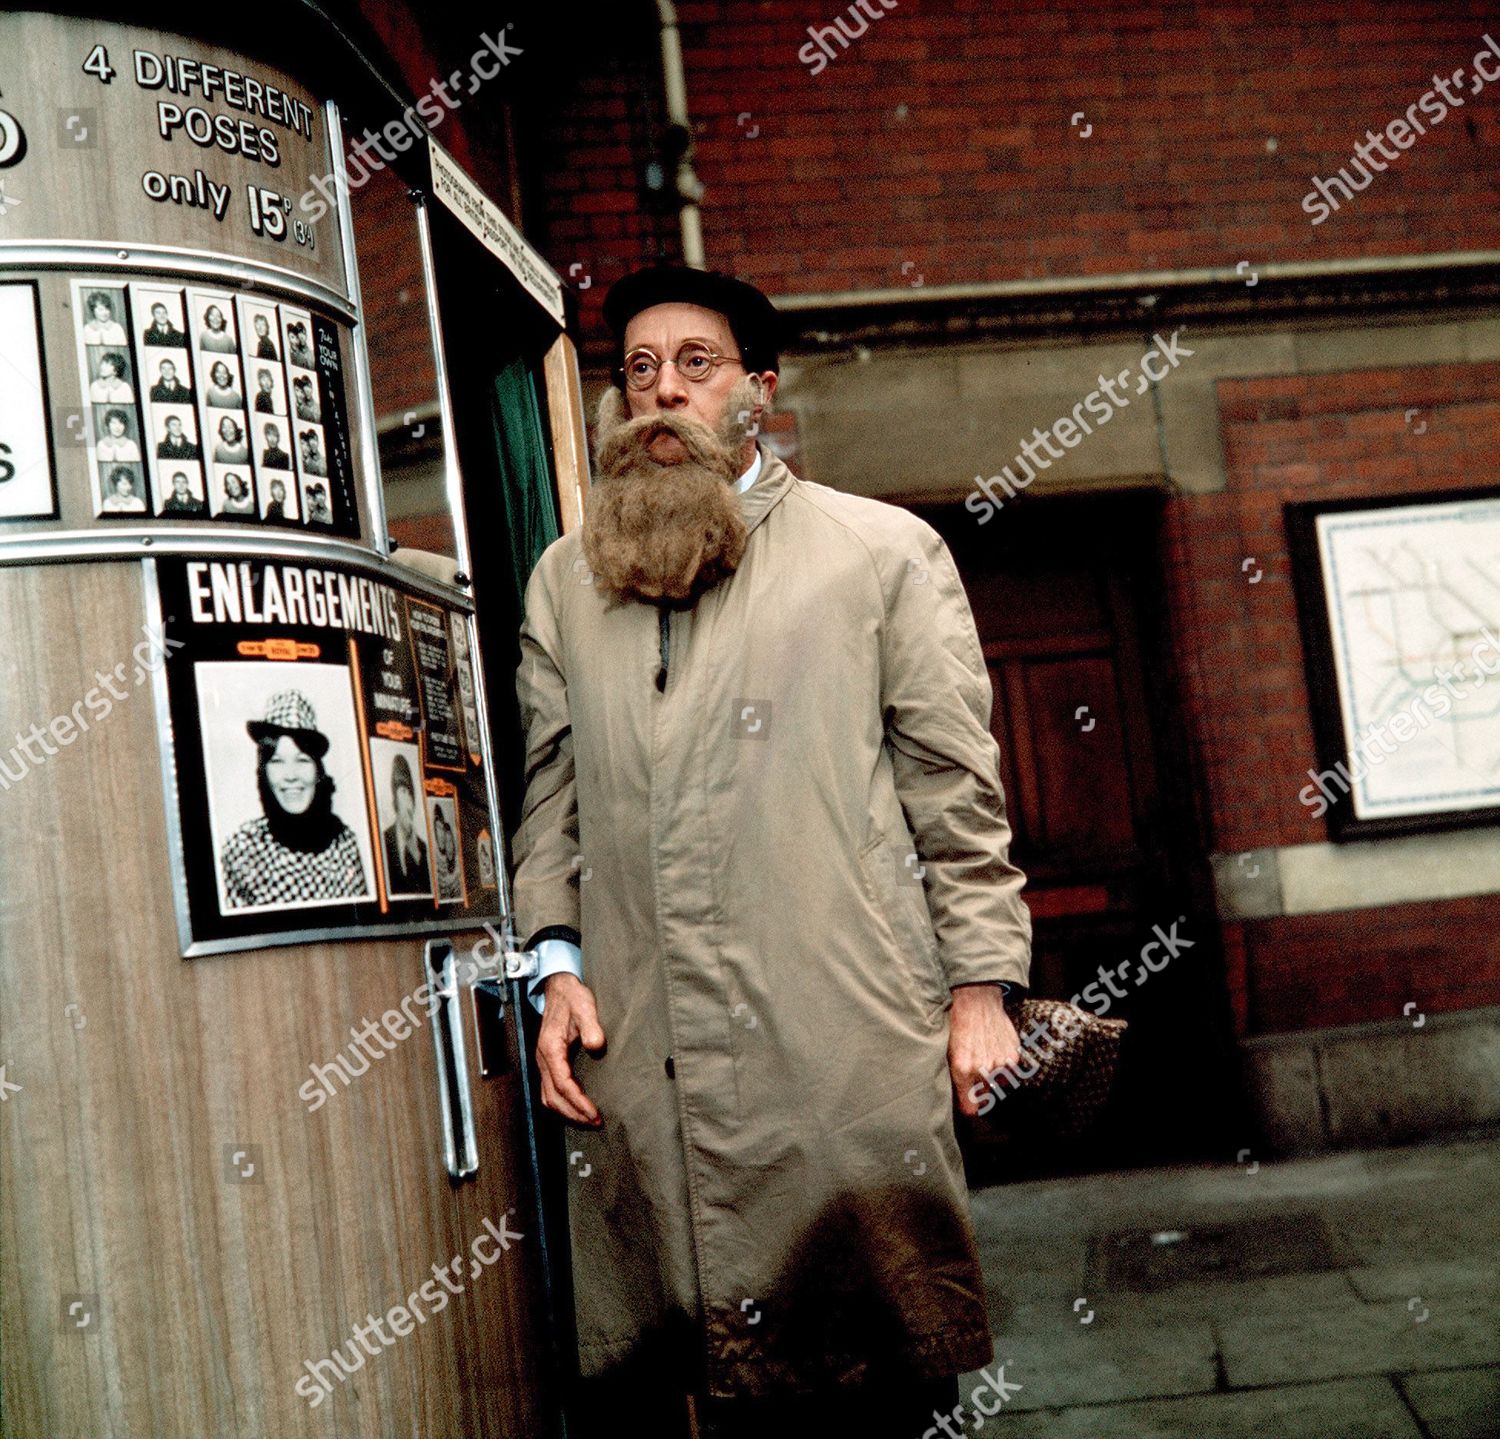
{"points": [[1067, 1066]]}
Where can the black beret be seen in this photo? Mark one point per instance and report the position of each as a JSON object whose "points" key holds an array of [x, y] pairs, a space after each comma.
{"points": [[752, 317]]}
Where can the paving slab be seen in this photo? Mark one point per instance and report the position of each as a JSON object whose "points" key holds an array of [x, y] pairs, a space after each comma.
{"points": [[1298, 1345], [1062, 1361], [1346, 1409], [1456, 1404], [1477, 1275]]}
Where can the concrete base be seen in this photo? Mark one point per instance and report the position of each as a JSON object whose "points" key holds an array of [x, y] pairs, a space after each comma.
{"points": [[1375, 1084]]}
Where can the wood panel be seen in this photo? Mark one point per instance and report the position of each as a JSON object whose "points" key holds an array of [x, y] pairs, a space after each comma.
{"points": [[570, 445], [141, 1072]]}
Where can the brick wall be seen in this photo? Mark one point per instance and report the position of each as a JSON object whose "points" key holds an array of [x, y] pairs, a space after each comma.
{"points": [[939, 144], [1305, 437], [1317, 970]]}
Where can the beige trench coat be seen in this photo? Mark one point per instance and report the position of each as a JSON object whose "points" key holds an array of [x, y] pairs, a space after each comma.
{"points": [[779, 864]]}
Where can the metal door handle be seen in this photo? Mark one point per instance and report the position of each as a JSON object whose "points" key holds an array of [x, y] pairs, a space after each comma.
{"points": [[455, 1100]]}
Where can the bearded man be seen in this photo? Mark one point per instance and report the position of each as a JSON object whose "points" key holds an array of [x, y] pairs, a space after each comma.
{"points": [[763, 800]]}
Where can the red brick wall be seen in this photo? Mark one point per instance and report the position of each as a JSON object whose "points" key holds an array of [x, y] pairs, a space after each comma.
{"points": [[1317, 970], [828, 184], [1306, 437]]}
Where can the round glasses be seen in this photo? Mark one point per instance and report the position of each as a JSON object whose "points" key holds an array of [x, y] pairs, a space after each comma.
{"points": [[694, 361]]}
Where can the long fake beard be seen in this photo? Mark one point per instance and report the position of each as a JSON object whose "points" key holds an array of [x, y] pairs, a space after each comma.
{"points": [[665, 532]]}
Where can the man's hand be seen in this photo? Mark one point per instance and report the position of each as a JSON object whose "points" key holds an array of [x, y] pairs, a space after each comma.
{"points": [[568, 1015], [981, 1039]]}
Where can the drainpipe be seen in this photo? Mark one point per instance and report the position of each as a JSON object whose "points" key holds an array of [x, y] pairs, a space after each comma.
{"points": [[689, 186]]}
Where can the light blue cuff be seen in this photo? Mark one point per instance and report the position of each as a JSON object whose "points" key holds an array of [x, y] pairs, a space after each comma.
{"points": [[554, 956]]}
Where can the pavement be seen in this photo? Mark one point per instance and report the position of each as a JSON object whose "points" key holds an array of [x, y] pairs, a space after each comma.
{"points": [[1348, 1296]]}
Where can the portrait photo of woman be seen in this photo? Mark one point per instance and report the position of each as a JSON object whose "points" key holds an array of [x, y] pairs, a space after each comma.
{"points": [[103, 326], [238, 499], [216, 334], [109, 386], [222, 392], [123, 498], [115, 444], [297, 851], [231, 448]]}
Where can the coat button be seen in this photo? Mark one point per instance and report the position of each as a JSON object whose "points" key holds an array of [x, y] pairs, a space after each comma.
{"points": [[671, 1068]]}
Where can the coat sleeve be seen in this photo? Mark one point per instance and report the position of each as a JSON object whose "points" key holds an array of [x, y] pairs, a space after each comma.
{"points": [[935, 706], [545, 844]]}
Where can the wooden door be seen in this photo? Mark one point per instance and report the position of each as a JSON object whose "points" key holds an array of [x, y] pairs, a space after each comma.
{"points": [[180, 1233], [1067, 597]]}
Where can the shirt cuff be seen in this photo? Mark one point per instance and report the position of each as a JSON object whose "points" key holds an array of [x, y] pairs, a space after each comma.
{"points": [[554, 956]]}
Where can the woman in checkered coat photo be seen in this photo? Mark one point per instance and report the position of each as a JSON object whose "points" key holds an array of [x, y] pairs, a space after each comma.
{"points": [[298, 851]]}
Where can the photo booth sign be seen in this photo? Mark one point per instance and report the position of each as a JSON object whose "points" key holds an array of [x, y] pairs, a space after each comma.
{"points": [[131, 134], [322, 778]]}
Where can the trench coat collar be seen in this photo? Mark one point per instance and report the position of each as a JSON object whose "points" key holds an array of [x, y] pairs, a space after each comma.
{"points": [[774, 480]]}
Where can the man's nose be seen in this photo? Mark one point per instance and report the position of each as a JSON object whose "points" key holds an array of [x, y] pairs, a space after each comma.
{"points": [[671, 389]]}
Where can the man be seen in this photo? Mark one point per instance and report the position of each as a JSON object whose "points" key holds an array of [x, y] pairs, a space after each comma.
{"points": [[168, 389], [762, 791], [406, 870], [161, 330], [447, 855], [182, 500], [175, 444]]}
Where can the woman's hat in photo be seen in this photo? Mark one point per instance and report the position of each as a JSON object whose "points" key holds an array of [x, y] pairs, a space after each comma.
{"points": [[288, 712], [752, 317]]}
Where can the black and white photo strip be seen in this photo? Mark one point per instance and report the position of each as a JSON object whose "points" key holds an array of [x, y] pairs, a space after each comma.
{"points": [[261, 353], [109, 381], [170, 378], [223, 407], [310, 443]]}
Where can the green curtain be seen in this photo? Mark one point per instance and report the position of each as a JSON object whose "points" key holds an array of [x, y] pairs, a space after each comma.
{"points": [[526, 486]]}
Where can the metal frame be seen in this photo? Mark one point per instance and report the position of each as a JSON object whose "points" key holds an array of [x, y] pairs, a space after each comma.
{"points": [[451, 471], [377, 528], [61, 546], [173, 260], [177, 850]]}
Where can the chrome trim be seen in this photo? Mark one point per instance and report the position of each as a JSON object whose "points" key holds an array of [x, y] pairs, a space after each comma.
{"points": [[376, 524], [103, 255], [455, 1097], [521, 963], [59, 546], [285, 939], [454, 476], [167, 753]]}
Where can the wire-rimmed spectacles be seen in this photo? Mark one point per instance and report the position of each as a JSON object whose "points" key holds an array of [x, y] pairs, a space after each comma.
{"points": [[694, 361]]}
